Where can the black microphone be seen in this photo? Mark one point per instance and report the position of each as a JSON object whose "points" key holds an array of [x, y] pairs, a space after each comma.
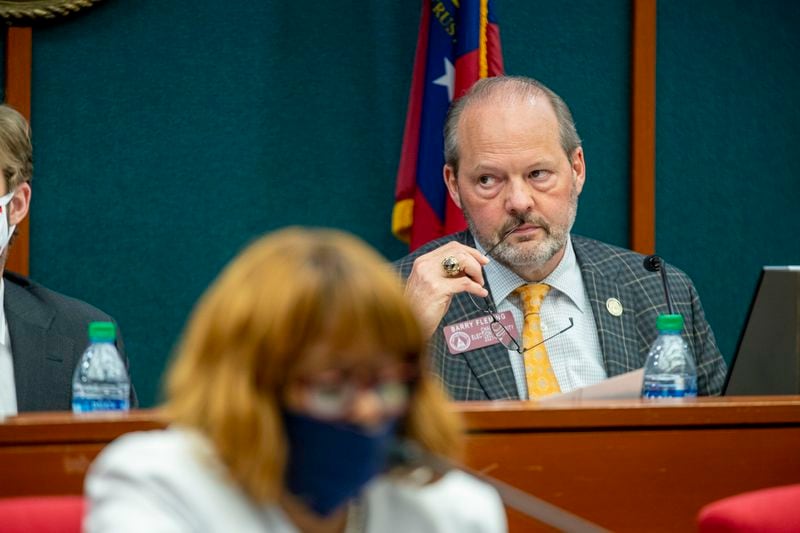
{"points": [[654, 263], [407, 453]]}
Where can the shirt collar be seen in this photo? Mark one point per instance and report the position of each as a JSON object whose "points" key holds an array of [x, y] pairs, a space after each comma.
{"points": [[566, 277]]}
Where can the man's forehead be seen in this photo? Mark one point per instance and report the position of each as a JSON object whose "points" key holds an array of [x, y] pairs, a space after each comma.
{"points": [[493, 107], [507, 124]]}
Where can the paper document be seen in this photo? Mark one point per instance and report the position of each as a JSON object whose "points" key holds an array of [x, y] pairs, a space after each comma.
{"points": [[628, 385]]}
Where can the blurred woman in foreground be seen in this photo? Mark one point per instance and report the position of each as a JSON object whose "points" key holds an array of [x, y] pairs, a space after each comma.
{"points": [[299, 369]]}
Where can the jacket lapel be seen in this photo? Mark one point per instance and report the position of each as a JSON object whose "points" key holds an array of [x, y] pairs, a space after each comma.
{"points": [[490, 366], [38, 354], [617, 334]]}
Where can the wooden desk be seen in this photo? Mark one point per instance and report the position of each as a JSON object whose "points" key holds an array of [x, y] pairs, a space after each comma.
{"points": [[635, 465], [625, 465], [48, 453]]}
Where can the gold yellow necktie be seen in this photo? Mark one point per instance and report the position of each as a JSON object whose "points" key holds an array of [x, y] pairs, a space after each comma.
{"points": [[538, 371]]}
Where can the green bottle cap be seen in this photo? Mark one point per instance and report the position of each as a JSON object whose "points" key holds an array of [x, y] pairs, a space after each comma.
{"points": [[670, 323], [102, 332]]}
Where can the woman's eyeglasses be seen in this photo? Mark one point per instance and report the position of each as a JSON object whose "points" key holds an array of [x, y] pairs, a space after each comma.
{"points": [[332, 395]]}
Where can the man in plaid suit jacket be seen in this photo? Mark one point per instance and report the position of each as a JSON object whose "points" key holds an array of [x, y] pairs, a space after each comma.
{"points": [[515, 166]]}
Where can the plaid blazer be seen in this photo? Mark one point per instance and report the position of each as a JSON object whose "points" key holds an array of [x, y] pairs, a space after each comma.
{"points": [[608, 272]]}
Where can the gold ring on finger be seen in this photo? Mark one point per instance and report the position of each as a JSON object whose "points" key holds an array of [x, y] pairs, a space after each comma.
{"points": [[451, 266]]}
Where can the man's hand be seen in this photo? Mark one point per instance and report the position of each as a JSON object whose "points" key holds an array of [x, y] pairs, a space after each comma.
{"points": [[429, 289]]}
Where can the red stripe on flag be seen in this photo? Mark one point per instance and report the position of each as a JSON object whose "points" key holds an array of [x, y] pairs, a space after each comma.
{"points": [[427, 225], [454, 218], [414, 219], [494, 55], [466, 72], [407, 169]]}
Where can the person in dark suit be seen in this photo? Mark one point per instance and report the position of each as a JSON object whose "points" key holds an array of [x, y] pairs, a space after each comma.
{"points": [[42, 333], [517, 307]]}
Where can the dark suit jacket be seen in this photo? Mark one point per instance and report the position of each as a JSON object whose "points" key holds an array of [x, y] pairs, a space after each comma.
{"points": [[608, 272], [49, 332]]}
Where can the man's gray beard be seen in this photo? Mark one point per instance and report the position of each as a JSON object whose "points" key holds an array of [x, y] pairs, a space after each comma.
{"points": [[516, 258]]}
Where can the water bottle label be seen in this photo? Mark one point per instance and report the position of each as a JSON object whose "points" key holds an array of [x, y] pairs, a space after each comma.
{"points": [[669, 393], [88, 405], [669, 386]]}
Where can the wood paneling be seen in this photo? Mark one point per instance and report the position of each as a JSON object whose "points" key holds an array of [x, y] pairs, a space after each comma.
{"points": [[18, 95], [643, 127]]}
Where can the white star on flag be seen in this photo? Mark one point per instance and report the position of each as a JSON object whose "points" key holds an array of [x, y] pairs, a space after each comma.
{"points": [[448, 79]]}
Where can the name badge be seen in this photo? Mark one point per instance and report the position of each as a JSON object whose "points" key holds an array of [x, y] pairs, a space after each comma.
{"points": [[477, 332]]}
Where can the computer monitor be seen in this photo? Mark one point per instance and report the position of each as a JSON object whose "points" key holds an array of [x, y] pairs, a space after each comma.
{"points": [[767, 360]]}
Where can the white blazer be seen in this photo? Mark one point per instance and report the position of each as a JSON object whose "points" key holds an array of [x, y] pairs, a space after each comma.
{"points": [[171, 481]]}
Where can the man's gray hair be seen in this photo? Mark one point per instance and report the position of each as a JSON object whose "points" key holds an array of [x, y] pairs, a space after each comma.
{"points": [[16, 150], [508, 89]]}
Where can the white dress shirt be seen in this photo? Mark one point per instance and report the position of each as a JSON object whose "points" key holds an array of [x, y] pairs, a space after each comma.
{"points": [[575, 354], [8, 390]]}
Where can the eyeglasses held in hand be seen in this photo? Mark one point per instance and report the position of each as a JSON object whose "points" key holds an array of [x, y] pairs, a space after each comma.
{"points": [[504, 336], [499, 330]]}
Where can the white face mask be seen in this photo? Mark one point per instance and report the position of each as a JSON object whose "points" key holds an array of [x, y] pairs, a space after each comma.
{"points": [[5, 231]]}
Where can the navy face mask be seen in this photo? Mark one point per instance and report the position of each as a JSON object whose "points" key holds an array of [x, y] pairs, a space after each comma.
{"points": [[329, 463]]}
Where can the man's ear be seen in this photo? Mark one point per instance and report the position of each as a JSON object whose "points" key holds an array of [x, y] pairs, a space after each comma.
{"points": [[19, 204], [451, 182], [578, 169]]}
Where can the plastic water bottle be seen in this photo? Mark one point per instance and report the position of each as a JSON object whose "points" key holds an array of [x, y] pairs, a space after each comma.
{"points": [[100, 381], [669, 371]]}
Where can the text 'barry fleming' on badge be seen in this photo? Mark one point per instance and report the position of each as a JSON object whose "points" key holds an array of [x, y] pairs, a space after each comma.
{"points": [[478, 332]]}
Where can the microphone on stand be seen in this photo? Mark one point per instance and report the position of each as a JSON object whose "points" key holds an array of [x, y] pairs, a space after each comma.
{"points": [[408, 453], [654, 263]]}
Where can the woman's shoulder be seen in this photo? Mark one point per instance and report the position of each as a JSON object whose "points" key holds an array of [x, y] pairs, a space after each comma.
{"points": [[166, 480], [180, 459], [154, 448], [454, 502]]}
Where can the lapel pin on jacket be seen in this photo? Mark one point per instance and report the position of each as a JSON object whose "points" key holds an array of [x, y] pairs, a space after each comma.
{"points": [[614, 306]]}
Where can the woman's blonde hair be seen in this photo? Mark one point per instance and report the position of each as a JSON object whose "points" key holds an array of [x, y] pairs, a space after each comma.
{"points": [[286, 293]]}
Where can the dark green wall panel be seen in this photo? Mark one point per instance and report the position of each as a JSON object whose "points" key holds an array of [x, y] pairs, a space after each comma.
{"points": [[581, 49], [168, 138], [728, 192]]}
